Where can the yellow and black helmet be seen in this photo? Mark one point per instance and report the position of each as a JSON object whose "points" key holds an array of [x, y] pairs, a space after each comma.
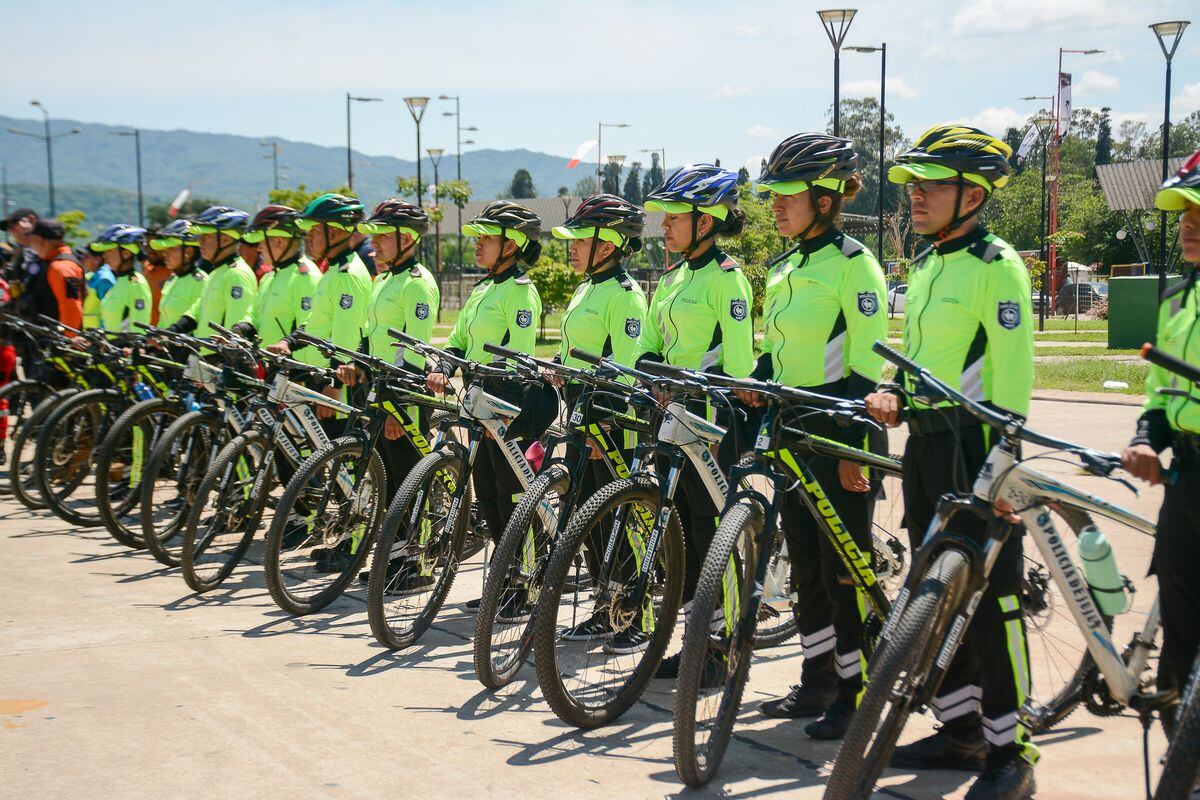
{"points": [[945, 151]]}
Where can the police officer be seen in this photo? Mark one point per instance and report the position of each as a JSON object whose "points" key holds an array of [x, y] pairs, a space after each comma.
{"points": [[966, 320], [229, 292], [823, 314], [284, 300], [99, 279], [181, 294], [129, 300]]}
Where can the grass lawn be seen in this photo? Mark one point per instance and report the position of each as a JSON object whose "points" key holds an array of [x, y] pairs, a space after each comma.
{"points": [[1082, 336], [1083, 351], [1089, 375]]}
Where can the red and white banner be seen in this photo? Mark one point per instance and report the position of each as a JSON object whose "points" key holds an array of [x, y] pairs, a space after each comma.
{"points": [[1064, 103], [581, 153], [178, 202]]}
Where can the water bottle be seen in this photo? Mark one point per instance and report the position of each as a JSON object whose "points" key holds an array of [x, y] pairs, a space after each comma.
{"points": [[142, 392], [1100, 569]]}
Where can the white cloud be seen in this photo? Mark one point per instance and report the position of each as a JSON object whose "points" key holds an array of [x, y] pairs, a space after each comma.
{"points": [[749, 30], [1187, 101], [996, 120], [1121, 117], [754, 164], [762, 132], [1096, 82], [896, 87], [728, 92], [1016, 16]]}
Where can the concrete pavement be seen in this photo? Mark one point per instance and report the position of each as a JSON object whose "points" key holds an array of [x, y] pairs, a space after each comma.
{"points": [[116, 681]]}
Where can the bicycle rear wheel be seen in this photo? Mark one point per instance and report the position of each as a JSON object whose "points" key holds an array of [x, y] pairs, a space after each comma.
{"points": [[1181, 767], [715, 663], [171, 479], [120, 464], [21, 397], [21, 477], [65, 457]]}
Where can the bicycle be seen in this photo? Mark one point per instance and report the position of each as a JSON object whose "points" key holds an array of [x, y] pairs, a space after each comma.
{"points": [[950, 573]]}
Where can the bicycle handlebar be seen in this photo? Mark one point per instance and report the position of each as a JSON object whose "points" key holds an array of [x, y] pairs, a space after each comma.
{"points": [[1161, 358]]}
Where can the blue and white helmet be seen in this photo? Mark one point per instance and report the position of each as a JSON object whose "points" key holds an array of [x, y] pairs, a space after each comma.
{"points": [[120, 235], [696, 187], [221, 218]]}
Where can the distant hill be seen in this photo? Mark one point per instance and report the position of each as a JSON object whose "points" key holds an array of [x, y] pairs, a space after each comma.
{"points": [[94, 171]]}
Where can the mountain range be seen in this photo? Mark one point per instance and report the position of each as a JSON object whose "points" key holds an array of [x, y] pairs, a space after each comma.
{"points": [[94, 171]]}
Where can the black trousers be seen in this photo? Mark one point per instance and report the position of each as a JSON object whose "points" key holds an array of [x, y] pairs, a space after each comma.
{"points": [[495, 486], [989, 676], [1176, 561]]}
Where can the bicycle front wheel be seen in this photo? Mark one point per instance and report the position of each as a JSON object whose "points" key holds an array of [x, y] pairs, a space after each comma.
{"points": [[65, 457], [171, 480], [120, 464], [21, 474], [1181, 767]]}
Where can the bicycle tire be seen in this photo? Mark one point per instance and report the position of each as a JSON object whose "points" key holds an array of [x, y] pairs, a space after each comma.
{"points": [[276, 563], [909, 651], [205, 564], [120, 517], [22, 396], [394, 535], [734, 546], [568, 706], [1181, 766], [21, 477], [505, 571], [95, 408], [180, 470]]}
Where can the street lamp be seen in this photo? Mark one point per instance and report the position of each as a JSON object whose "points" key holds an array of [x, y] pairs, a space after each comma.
{"points": [[600, 126], [882, 50], [137, 148], [458, 132], [46, 137], [435, 155], [662, 156], [1167, 32], [349, 164], [274, 156], [416, 107], [837, 23], [1042, 122]]}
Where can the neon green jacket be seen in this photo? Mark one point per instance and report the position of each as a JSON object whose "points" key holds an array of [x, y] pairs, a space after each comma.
{"points": [[339, 308], [824, 311], [605, 317], [699, 317], [967, 319], [285, 299], [127, 302], [181, 297], [405, 297], [504, 310], [228, 296], [1179, 335]]}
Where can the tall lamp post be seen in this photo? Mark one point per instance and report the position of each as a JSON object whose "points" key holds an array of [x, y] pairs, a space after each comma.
{"points": [[458, 132], [137, 149], [882, 50], [615, 161], [48, 138], [600, 126], [274, 156], [349, 164], [416, 107], [1169, 34], [435, 155], [837, 24], [1043, 124]]}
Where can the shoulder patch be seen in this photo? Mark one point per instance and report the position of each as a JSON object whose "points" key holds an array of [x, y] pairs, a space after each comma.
{"points": [[1008, 314], [738, 309], [235, 291], [524, 317], [728, 264], [139, 304], [851, 247], [633, 327], [347, 300], [868, 304], [306, 303], [985, 251], [422, 310]]}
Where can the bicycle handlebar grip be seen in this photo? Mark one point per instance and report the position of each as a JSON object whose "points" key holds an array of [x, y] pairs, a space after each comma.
{"points": [[896, 357], [660, 369], [1161, 358], [503, 352], [585, 356]]}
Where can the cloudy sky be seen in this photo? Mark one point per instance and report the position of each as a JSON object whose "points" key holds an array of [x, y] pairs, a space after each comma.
{"points": [[703, 78]]}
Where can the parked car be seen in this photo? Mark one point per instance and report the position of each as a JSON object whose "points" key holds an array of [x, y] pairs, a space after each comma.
{"points": [[896, 299], [1088, 293]]}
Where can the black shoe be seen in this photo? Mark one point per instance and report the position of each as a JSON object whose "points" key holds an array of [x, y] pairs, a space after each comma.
{"points": [[515, 608], [942, 750], [335, 560], [801, 702], [594, 627], [295, 533], [394, 568], [715, 673], [1011, 779], [627, 642], [407, 582], [473, 605], [832, 725], [668, 668]]}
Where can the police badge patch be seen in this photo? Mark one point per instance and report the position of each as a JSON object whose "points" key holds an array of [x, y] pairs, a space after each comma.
{"points": [[422, 311], [347, 300], [235, 292], [737, 309], [524, 318], [633, 327], [1009, 315], [306, 304], [868, 303], [139, 304]]}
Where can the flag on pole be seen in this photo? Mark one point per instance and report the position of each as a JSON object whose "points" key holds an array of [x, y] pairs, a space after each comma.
{"points": [[581, 153], [1064, 103], [1031, 137], [178, 202]]}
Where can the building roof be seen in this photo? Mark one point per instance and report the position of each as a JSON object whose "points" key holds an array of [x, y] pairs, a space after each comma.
{"points": [[1131, 185]]}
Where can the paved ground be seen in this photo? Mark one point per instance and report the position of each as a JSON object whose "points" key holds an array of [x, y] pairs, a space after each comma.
{"points": [[115, 681]]}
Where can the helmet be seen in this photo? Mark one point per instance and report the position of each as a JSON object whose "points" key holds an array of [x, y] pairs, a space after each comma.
{"points": [[807, 159], [393, 216], [174, 234], [1181, 189], [946, 151], [696, 187], [227, 220], [336, 209], [507, 219], [604, 216], [273, 220], [130, 237]]}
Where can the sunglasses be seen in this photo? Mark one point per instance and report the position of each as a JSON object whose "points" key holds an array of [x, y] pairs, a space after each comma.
{"points": [[925, 187]]}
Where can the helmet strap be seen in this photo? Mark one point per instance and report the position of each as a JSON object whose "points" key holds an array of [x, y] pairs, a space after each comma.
{"points": [[690, 251], [500, 261], [959, 218], [403, 254]]}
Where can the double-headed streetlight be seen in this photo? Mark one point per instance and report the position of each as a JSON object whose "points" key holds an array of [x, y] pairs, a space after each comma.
{"points": [[615, 161], [458, 132], [416, 107], [349, 164], [837, 24], [600, 126], [137, 149], [1042, 123], [882, 50], [1169, 34], [48, 138], [435, 155], [274, 156]]}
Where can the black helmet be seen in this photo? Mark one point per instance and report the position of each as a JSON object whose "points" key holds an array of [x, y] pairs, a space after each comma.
{"points": [[507, 219], [808, 158], [338, 209], [396, 215], [273, 220], [604, 216], [945, 151]]}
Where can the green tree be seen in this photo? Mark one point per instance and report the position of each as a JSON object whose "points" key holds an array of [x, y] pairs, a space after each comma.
{"points": [[158, 214], [522, 185], [1012, 138], [585, 187], [654, 175], [555, 283], [743, 176], [72, 222], [612, 179], [300, 196], [633, 183], [1104, 141]]}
